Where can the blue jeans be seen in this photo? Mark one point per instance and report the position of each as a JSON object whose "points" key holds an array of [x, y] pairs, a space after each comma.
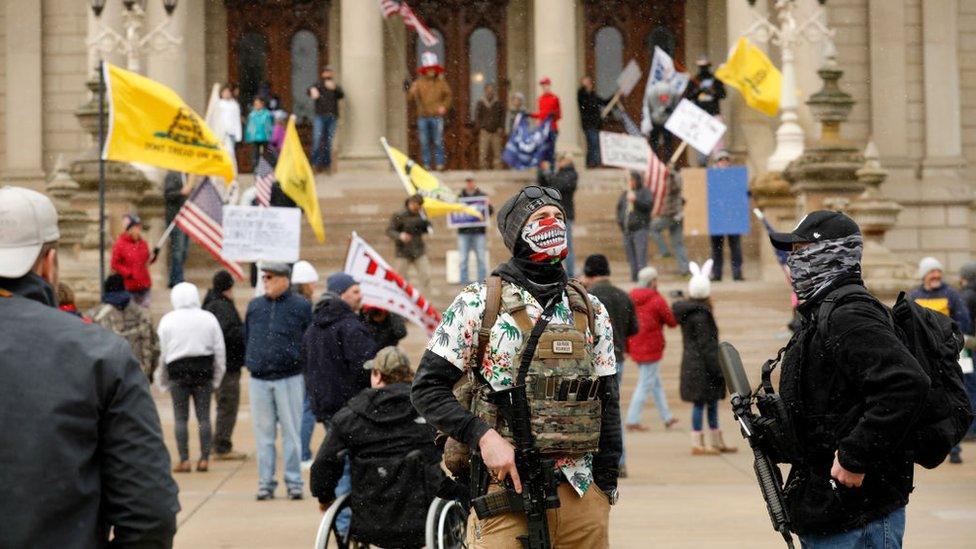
{"points": [[635, 244], [467, 243], [884, 533], [178, 245], [675, 235], [308, 427], [592, 148], [431, 133], [571, 255], [696, 415], [323, 134], [649, 381], [277, 402]]}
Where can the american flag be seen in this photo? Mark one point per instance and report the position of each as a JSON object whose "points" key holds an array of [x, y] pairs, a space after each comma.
{"points": [[263, 181], [201, 217], [410, 19]]}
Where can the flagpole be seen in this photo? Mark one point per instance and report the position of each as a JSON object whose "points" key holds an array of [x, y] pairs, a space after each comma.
{"points": [[101, 177]]}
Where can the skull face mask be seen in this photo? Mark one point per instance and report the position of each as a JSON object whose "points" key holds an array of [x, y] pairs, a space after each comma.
{"points": [[546, 240]]}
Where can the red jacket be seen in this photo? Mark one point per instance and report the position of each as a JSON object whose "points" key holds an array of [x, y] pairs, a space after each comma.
{"points": [[130, 258], [549, 104], [652, 314]]}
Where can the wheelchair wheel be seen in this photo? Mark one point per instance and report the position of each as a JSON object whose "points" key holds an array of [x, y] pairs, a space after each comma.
{"points": [[327, 535], [447, 525]]}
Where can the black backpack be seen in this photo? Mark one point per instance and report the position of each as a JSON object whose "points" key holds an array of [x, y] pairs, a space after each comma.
{"points": [[935, 341]]}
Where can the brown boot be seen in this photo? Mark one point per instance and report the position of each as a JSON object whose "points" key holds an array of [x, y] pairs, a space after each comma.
{"points": [[203, 466], [719, 444], [183, 467], [698, 447]]}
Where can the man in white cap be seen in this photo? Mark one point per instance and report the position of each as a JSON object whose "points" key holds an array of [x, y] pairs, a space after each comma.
{"points": [[80, 441], [432, 96]]}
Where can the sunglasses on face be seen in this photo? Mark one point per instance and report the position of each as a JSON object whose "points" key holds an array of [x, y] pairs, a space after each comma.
{"points": [[267, 276], [535, 191]]}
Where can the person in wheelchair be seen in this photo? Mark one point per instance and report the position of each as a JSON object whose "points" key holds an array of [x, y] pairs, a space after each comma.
{"points": [[395, 464]]}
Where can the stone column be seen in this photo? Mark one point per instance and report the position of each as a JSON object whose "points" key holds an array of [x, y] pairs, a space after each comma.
{"points": [[554, 43], [23, 110], [889, 106], [943, 133], [180, 66], [362, 78]]}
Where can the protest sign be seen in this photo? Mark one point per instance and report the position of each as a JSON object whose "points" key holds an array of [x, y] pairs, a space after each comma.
{"points": [[462, 220], [716, 200], [629, 77], [695, 126], [624, 151], [384, 288], [254, 233]]}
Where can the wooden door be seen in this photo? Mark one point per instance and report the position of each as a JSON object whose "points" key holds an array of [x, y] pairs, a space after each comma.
{"points": [[472, 50], [632, 28], [276, 48]]}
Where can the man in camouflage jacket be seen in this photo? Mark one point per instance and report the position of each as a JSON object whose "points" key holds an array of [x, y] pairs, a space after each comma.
{"points": [[120, 314]]}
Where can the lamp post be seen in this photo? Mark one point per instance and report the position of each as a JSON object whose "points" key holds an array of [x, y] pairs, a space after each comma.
{"points": [[132, 42], [787, 35]]}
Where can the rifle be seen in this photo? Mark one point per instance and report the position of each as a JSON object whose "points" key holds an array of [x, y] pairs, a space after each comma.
{"points": [[760, 430]]}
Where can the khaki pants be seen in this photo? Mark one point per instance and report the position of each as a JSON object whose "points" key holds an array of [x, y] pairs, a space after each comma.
{"points": [[490, 149], [420, 266], [578, 522]]}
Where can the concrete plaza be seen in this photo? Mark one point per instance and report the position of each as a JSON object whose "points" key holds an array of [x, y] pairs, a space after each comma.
{"points": [[670, 499]]}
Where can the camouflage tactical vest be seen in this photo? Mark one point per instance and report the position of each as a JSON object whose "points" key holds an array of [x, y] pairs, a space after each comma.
{"points": [[562, 385]]}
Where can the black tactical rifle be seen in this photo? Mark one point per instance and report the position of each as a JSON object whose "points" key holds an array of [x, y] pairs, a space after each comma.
{"points": [[761, 430]]}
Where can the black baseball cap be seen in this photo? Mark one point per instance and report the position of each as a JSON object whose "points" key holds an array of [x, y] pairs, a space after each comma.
{"points": [[816, 227]]}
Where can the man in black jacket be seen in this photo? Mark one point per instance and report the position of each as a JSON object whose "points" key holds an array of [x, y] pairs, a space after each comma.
{"points": [[380, 428], [565, 180], [634, 219], [81, 451], [590, 108], [220, 302], [855, 402], [326, 94], [472, 239], [407, 229], [175, 190], [968, 292], [387, 328]]}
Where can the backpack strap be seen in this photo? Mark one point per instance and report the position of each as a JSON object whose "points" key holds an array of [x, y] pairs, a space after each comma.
{"points": [[493, 304], [583, 313]]}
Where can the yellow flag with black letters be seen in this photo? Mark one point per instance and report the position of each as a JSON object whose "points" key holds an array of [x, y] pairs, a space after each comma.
{"points": [[754, 75], [150, 123], [297, 180]]}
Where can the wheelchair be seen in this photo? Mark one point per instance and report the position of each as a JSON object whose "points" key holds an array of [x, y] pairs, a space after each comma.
{"points": [[445, 525]]}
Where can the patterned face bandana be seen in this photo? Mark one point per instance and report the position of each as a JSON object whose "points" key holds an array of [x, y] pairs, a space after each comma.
{"points": [[814, 267], [546, 239]]}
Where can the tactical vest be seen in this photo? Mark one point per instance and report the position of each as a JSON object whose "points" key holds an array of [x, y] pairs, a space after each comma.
{"points": [[562, 386]]}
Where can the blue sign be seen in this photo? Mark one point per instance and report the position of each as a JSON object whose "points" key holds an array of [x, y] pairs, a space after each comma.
{"points": [[728, 200], [461, 220]]}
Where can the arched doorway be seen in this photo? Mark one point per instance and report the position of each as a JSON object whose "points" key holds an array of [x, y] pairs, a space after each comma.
{"points": [[276, 48], [472, 50], [620, 30]]}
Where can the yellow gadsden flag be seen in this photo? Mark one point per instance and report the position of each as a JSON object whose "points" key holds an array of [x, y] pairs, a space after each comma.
{"points": [[150, 123], [295, 176], [754, 75], [438, 199]]}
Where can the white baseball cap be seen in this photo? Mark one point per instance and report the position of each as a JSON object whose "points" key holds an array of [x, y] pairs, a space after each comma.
{"points": [[28, 220]]}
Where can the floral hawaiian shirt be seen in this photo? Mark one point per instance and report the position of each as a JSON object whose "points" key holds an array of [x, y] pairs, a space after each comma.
{"points": [[455, 340]]}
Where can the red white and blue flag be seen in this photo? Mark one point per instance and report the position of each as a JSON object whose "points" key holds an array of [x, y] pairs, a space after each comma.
{"points": [[201, 218], [410, 19], [263, 181]]}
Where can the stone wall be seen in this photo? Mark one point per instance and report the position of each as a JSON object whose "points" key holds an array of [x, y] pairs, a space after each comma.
{"points": [[3, 78], [215, 32], [65, 28], [849, 18]]}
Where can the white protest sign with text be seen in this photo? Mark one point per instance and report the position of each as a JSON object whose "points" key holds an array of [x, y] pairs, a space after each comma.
{"points": [[253, 233], [629, 77], [624, 151], [695, 126]]}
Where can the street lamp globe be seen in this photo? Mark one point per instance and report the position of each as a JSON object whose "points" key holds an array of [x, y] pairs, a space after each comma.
{"points": [[97, 6], [169, 6]]}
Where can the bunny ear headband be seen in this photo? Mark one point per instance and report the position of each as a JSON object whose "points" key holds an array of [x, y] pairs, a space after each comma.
{"points": [[707, 268], [694, 268]]}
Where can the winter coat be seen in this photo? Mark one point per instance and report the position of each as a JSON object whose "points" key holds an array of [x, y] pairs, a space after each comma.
{"points": [[413, 224], [674, 203], [549, 105], [379, 428], [489, 117], [653, 314], [130, 258], [334, 350], [173, 195], [706, 91], [273, 330], [637, 216], [230, 325], [328, 102], [81, 447], [259, 126], [131, 322], [621, 311], [968, 293], [946, 300], [430, 93], [701, 375], [189, 332], [565, 180], [388, 332], [858, 398], [590, 107]]}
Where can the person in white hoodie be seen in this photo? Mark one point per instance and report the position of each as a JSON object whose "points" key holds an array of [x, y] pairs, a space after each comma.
{"points": [[192, 363]]}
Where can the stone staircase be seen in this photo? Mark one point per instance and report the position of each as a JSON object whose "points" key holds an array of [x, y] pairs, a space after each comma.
{"points": [[363, 201]]}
